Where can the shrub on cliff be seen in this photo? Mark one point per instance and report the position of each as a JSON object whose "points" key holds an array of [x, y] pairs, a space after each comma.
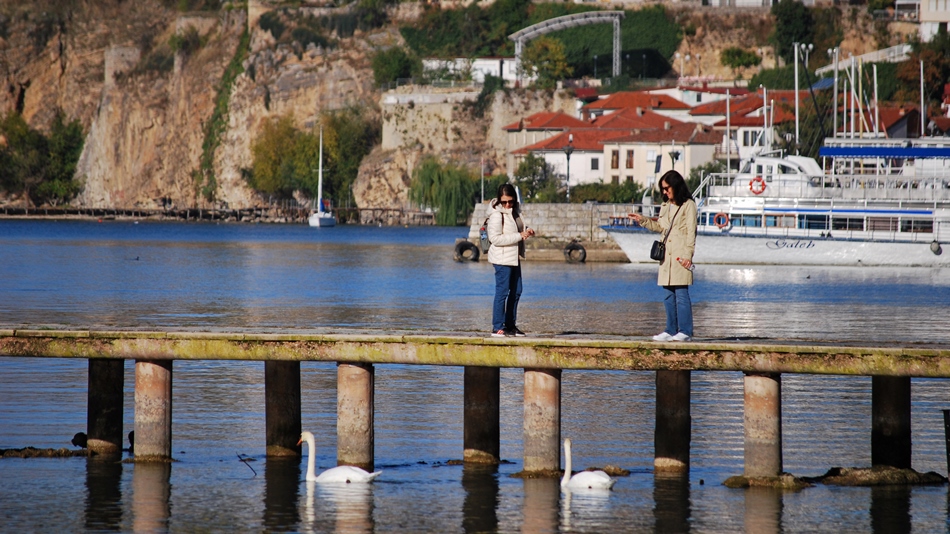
{"points": [[39, 166]]}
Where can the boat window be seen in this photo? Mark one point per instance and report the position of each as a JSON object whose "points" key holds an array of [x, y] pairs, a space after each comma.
{"points": [[847, 223], [813, 222], [746, 220], [883, 224], [785, 169], [917, 225], [780, 221]]}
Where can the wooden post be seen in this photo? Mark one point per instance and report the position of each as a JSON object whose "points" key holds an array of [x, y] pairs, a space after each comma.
{"points": [[890, 421], [354, 427], [482, 434], [153, 409], [542, 419], [282, 407], [763, 424], [672, 434], [104, 406]]}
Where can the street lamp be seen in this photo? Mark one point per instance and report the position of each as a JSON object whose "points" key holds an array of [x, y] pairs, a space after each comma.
{"points": [[628, 61], [806, 48], [683, 59], [595, 65], [567, 152], [643, 71]]}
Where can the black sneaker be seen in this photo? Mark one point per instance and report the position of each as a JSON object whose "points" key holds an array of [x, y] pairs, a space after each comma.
{"points": [[515, 331]]}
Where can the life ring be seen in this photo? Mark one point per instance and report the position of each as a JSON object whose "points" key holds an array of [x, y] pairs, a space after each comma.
{"points": [[757, 185], [721, 220], [466, 250], [575, 253]]}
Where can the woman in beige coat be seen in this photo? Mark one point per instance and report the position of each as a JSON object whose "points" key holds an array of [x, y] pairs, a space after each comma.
{"points": [[507, 234], [678, 216]]}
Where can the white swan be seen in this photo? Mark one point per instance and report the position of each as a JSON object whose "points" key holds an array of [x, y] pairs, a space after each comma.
{"points": [[584, 479], [345, 473]]}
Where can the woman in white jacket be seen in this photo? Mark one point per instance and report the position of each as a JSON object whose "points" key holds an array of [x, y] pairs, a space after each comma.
{"points": [[507, 234]]}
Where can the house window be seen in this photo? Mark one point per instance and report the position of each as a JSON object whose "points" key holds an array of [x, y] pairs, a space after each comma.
{"points": [[614, 159], [594, 164], [699, 97], [750, 138], [630, 159], [629, 179], [651, 155], [615, 180]]}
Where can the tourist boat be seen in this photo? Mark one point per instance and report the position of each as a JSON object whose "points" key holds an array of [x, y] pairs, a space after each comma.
{"points": [[877, 205], [321, 216]]}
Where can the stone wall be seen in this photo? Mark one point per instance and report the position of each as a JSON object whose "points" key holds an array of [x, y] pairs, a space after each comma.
{"points": [[561, 223]]}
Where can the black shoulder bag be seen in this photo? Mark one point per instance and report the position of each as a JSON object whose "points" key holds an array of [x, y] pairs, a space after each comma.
{"points": [[658, 251]]}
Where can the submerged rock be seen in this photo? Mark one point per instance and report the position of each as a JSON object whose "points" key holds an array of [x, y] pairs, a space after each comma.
{"points": [[783, 481], [881, 475]]}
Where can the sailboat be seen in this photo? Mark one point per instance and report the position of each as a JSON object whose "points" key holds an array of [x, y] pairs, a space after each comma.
{"points": [[319, 217]]}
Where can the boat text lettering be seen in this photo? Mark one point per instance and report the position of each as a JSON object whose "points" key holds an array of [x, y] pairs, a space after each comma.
{"points": [[781, 243]]}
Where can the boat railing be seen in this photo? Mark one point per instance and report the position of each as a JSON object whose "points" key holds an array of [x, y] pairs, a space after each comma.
{"points": [[845, 187]]}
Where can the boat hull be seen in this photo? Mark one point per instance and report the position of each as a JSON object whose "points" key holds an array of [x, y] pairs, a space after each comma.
{"points": [[321, 220], [786, 249]]}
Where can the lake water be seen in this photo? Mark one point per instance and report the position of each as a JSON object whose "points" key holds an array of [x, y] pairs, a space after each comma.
{"points": [[120, 275]]}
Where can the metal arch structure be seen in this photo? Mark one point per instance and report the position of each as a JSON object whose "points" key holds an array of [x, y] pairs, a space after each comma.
{"points": [[520, 37]]}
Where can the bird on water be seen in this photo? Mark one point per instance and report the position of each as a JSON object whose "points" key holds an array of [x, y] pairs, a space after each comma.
{"points": [[342, 474]]}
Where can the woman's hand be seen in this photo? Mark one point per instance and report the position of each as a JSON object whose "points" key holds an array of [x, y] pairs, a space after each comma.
{"points": [[635, 216], [528, 232]]}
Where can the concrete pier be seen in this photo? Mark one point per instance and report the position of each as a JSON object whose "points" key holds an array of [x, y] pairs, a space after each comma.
{"points": [[542, 419], [672, 432], [763, 424], [355, 406], [890, 421], [482, 428], [153, 409], [105, 406], [282, 408]]}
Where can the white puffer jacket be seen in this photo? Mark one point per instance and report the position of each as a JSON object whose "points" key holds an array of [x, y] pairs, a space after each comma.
{"points": [[504, 234]]}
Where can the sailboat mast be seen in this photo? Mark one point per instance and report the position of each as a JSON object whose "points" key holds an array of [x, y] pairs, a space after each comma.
{"points": [[320, 176]]}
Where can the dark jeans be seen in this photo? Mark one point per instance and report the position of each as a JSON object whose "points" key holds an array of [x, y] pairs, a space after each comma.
{"points": [[679, 310], [507, 293]]}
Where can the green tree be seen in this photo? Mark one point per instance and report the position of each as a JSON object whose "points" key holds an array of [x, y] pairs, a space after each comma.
{"points": [[394, 63], [793, 24], [349, 135], [697, 173], [272, 170], [737, 58], [780, 78], [623, 193], [545, 58], [446, 188], [40, 167], [537, 181]]}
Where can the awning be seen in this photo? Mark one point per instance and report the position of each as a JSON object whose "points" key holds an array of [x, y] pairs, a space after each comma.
{"points": [[883, 152]]}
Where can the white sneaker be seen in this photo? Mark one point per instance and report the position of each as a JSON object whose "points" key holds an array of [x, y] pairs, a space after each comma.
{"points": [[680, 337], [662, 336]]}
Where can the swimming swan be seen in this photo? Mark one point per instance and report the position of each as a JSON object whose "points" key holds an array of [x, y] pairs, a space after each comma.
{"points": [[584, 479], [344, 473]]}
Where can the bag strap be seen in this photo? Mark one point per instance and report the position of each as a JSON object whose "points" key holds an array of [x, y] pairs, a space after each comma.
{"points": [[670, 229]]}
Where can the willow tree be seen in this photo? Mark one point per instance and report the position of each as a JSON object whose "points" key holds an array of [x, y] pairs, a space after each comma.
{"points": [[448, 189]]}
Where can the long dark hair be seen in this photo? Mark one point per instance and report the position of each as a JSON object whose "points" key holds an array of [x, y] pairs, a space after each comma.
{"points": [[507, 189], [680, 192]]}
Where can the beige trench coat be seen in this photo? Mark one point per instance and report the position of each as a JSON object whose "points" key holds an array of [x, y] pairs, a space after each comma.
{"points": [[680, 244]]}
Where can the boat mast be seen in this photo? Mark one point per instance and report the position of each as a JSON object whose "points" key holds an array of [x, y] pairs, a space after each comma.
{"points": [[320, 175]]}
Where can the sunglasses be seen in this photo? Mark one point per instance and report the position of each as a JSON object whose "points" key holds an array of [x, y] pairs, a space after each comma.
{"points": [[506, 202]]}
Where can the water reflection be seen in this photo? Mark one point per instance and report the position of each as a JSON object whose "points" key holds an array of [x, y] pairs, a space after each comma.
{"points": [[890, 509], [151, 492], [338, 508], [103, 494], [541, 504], [672, 503], [480, 507], [763, 510], [281, 493], [585, 507]]}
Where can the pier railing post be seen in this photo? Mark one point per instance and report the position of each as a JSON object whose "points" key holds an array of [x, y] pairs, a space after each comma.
{"points": [[354, 427], [672, 434], [153, 409], [542, 419], [105, 406], [282, 407], [890, 421], [482, 434], [763, 424]]}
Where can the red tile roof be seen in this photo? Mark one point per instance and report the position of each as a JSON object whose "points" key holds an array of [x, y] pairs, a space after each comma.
{"points": [[590, 140], [634, 118], [685, 133], [738, 105], [634, 99], [734, 91], [547, 120]]}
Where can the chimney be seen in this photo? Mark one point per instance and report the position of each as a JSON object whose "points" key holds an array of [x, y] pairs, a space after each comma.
{"points": [[666, 125], [639, 111]]}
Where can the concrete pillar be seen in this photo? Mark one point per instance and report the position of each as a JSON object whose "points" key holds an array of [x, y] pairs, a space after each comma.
{"points": [[763, 424], [542, 419], [282, 407], [890, 421], [672, 434], [104, 406], [482, 434], [153, 409], [354, 426]]}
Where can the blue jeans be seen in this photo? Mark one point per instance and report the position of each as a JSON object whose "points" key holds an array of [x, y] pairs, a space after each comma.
{"points": [[679, 310], [507, 294]]}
